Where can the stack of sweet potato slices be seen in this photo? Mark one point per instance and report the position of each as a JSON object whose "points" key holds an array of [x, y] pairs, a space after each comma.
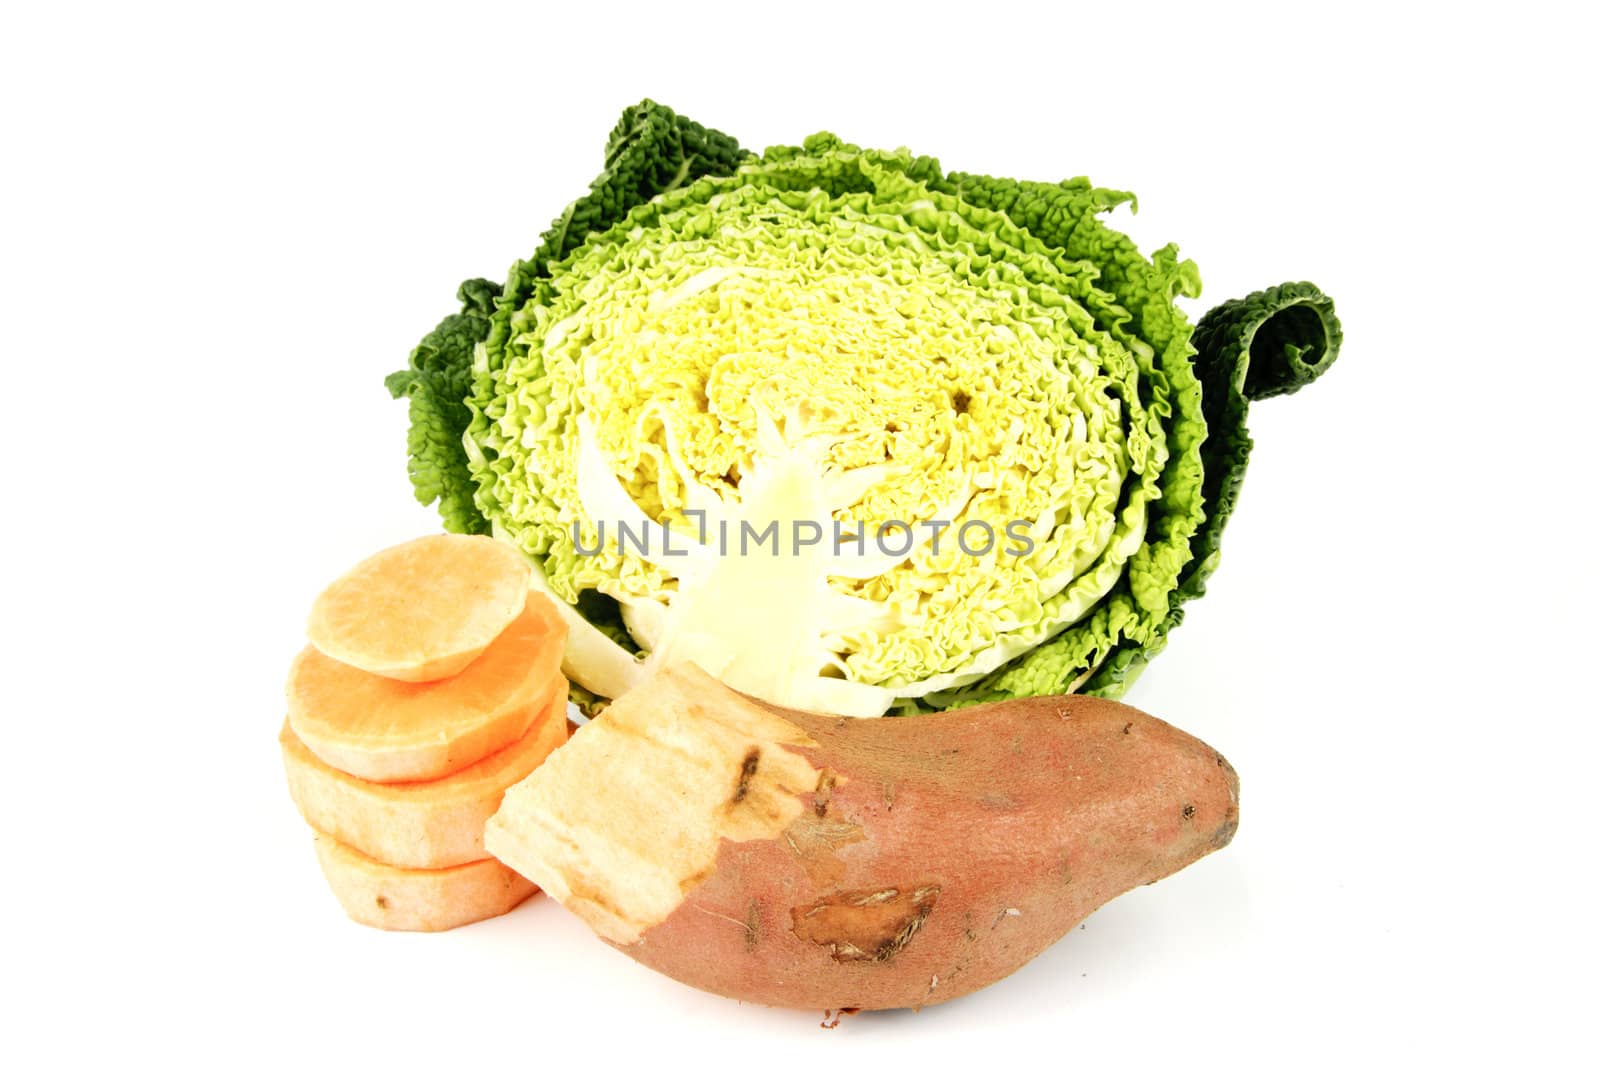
{"points": [[431, 685]]}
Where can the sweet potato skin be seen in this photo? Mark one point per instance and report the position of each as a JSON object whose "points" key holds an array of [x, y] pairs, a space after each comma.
{"points": [[939, 854]]}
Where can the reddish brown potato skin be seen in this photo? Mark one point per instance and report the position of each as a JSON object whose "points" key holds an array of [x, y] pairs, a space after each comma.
{"points": [[999, 828]]}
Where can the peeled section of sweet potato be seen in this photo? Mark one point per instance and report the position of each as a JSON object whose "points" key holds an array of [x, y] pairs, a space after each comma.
{"points": [[394, 898], [422, 610], [387, 731], [806, 861], [420, 824]]}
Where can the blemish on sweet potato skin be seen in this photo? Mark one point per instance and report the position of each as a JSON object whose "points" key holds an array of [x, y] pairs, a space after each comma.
{"points": [[868, 925], [752, 927], [825, 783], [747, 771], [815, 842]]}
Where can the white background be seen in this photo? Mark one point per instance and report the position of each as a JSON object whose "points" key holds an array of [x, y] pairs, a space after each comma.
{"points": [[223, 227]]}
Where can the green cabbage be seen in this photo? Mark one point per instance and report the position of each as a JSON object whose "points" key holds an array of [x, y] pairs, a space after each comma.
{"points": [[849, 342]]}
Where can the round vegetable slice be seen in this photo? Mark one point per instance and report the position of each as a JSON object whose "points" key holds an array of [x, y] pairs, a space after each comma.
{"points": [[396, 898], [387, 731], [422, 610], [420, 824]]}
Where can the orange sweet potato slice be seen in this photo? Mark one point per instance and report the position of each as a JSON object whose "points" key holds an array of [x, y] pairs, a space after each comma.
{"points": [[420, 824], [387, 731], [396, 898], [422, 610]]}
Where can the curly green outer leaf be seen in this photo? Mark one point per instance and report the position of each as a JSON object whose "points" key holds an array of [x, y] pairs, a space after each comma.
{"points": [[652, 150], [1269, 343], [438, 377]]}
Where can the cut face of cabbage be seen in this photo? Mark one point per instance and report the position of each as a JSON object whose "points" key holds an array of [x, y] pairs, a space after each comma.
{"points": [[777, 348]]}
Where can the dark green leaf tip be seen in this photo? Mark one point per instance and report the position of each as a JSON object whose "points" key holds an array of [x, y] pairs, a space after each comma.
{"points": [[1269, 343]]}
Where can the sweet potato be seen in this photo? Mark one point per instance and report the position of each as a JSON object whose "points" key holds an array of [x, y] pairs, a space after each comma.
{"points": [[394, 898], [422, 610], [807, 861], [387, 731], [420, 824]]}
